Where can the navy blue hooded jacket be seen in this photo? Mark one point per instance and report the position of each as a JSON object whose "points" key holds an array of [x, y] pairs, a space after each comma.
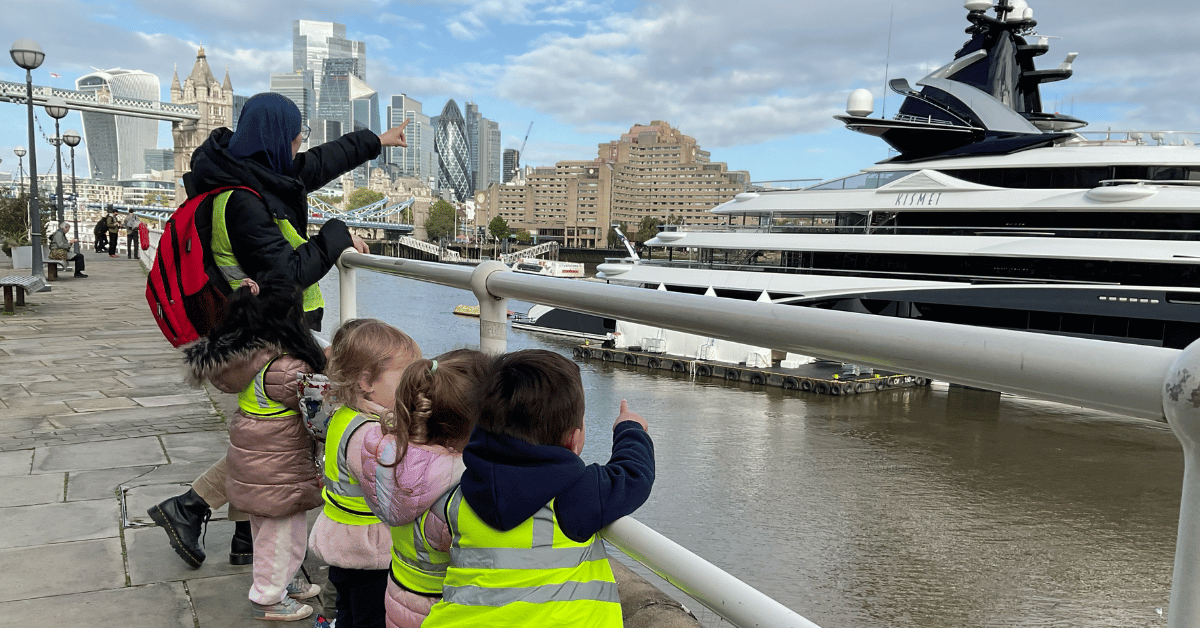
{"points": [[507, 480]]}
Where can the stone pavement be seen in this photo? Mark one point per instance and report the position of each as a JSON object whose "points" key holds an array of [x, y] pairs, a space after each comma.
{"points": [[96, 425]]}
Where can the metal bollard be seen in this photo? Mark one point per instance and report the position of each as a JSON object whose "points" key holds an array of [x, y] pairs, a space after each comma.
{"points": [[493, 310]]}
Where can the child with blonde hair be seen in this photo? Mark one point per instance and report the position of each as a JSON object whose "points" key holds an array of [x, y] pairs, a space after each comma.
{"points": [[410, 460], [366, 359]]}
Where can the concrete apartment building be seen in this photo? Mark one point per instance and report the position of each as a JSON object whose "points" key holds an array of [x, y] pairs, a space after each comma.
{"points": [[653, 170]]}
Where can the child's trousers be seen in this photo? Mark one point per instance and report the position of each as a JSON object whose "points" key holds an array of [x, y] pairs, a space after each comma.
{"points": [[279, 546]]}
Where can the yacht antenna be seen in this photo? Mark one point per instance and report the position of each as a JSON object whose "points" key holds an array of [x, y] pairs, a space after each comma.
{"points": [[887, 61]]}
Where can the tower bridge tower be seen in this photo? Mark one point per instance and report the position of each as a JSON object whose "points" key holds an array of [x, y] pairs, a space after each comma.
{"points": [[215, 102]]}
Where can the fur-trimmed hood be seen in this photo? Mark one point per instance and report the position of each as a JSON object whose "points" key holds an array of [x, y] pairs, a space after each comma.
{"points": [[255, 329]]}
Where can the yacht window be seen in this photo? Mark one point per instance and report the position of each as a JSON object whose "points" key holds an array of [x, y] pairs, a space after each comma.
{"points": [[862, 181]]}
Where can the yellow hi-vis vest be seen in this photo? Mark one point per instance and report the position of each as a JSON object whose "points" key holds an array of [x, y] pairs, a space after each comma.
{"points": [[532, 575], [344, 501], [416, 565], [254, 402], [222, 251]]}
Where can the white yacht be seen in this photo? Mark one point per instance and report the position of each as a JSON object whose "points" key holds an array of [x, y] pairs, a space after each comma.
{"points": [[992, 212]]}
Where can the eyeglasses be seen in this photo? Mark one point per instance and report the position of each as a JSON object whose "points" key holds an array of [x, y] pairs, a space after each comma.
{"points": [[304, 131]]}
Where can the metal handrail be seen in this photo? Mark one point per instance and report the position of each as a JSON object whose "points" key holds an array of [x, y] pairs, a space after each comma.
{"points": [[1148, 382]]}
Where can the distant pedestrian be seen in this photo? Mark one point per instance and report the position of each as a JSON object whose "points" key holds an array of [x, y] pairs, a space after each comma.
{"points": [[131, 235], [60, 249], [101, 233], [113, 222]]}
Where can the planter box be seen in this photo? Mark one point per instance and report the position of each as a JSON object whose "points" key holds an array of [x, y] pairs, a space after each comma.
{"points": [[22, 257]]}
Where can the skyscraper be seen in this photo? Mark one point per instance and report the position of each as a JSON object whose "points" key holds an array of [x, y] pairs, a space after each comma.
{"points": [[453, 153], [483, 140], [314, 42], [419, 160], [117, 145], [512, 159], [299, 87]]}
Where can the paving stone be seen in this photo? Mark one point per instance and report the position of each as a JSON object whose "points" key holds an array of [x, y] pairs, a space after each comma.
{"points": [[107, 403], [102, 484], [106, 455], [163, 605], [32, 489], [16, 462], [151, 559], [59, 523], [58, 387], [197, 397], [25, 379], [78, 567], [196, 446]]}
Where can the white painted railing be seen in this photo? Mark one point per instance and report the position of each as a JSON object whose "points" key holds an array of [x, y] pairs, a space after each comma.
{"points": [[446, 255], [1147, 382]]}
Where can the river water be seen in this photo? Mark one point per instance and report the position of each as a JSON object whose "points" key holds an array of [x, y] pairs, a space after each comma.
{"points": [[931, 507]]}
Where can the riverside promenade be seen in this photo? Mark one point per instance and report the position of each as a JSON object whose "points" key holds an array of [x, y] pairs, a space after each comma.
{"points": [[96, 425]]}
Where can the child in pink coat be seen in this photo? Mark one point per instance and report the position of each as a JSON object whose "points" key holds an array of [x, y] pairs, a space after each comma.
{"points": [[366, 359], [409, 460]]}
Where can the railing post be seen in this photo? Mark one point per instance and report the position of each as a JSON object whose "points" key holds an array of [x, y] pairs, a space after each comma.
{"points": [[734, 600], [347, 292], [1181, 404], [493, 310]]}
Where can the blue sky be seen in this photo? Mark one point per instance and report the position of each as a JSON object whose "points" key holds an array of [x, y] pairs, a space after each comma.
{"points": [[756, 82]]}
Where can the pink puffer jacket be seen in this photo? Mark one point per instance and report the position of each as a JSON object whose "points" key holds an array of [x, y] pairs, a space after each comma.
{"points": [[399, 494], [272, 472]]}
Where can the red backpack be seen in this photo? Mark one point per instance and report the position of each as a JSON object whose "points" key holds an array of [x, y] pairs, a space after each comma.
{"points": [[185, 289]]}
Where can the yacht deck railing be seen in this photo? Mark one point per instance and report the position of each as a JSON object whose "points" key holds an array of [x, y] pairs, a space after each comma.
{"points": [[1147, 382]]}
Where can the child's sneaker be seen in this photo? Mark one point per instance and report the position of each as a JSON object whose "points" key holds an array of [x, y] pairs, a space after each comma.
{"points": [[301, 589], [321, 622], [287, 610]]}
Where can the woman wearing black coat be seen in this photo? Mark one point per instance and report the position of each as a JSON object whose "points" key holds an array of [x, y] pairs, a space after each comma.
{"points": [[101, 234], [263, 155]]}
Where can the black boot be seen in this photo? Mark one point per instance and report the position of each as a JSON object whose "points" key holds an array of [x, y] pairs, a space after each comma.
{"points": [[241, 550], [182, 517]]}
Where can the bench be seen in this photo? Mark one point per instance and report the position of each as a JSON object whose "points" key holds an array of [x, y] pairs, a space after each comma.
{"points": [[52, 268], [25, 283]]}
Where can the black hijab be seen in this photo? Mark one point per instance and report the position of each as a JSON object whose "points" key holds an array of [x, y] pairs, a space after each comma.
{"points": [[268, 124]]}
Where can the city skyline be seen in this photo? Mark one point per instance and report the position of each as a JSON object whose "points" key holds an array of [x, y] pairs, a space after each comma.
{"points": [[759, 93]]}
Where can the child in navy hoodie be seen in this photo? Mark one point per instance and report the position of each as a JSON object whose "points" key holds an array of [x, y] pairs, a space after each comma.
{"points": [[522, 526]]}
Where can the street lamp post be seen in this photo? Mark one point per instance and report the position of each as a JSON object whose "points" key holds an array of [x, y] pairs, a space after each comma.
{"points": [[71, 137], [29, 56], [57, 108], [20, 153]]}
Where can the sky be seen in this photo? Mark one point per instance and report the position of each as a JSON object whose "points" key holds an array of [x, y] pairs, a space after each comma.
{"points": [[756, 82]]}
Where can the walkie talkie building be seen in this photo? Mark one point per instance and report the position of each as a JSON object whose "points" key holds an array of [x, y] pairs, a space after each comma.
{"points": [[117, 145]]}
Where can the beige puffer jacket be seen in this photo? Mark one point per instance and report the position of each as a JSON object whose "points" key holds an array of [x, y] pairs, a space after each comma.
{"points": [[272, 470]]}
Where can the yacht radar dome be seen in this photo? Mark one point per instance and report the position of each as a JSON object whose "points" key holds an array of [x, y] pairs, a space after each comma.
{"points": [[861, 103], [977, 5]]}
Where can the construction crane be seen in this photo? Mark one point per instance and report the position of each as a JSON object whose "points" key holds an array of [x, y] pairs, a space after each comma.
{"points": [[517, 161]]}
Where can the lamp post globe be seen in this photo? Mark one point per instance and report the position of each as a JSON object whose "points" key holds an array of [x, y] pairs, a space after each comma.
{"points": [[72, 139], [19, 151], [57, 108], [29, 56]]}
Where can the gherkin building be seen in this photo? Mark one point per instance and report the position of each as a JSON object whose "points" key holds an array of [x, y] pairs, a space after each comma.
{"points": [[453, 153]]}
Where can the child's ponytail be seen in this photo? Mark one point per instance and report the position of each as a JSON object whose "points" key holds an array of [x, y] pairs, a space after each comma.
{"points": [[435, 401]]}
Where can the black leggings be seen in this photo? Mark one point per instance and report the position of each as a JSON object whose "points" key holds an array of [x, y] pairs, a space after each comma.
{"points": [[360, 595]]}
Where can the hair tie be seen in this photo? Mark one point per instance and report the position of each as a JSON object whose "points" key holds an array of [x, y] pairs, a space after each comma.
{"points": [[433, 367]]}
